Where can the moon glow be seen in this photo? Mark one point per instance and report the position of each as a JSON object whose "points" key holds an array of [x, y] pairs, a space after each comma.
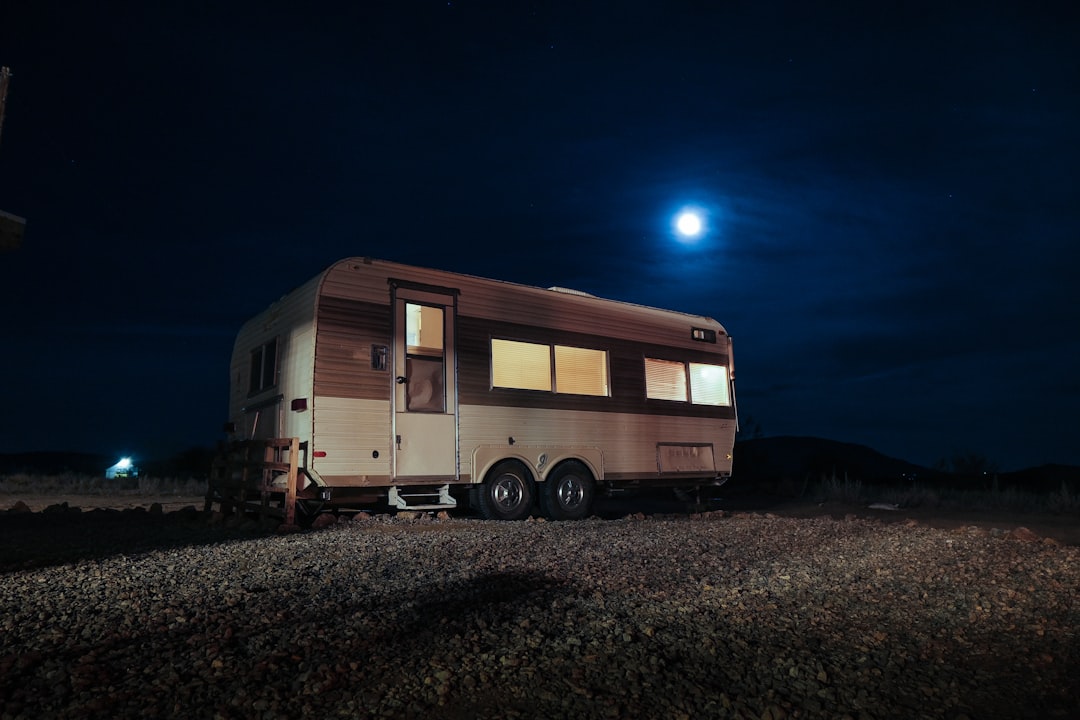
{"points": [[688, 223]]}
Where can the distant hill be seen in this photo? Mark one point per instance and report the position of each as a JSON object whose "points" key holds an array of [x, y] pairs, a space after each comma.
{"points": [[791, 460], [795, 458]]}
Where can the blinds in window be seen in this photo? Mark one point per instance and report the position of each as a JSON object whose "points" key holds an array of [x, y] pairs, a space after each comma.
{"points": [[520, 365], [665, 380], [709, 384], [580, 371]]}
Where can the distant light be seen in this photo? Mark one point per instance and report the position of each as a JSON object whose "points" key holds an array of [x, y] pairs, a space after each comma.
{"points": [[123, 468], [688, 224]]}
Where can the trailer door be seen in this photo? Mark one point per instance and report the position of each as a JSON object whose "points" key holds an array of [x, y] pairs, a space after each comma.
{"points": [[425, 383]]}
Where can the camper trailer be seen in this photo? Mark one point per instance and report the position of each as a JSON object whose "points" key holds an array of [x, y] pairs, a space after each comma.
{"points": [[377, 382]]}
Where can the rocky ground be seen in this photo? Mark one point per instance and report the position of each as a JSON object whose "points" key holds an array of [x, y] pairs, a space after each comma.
{"points": [[152, 613]]}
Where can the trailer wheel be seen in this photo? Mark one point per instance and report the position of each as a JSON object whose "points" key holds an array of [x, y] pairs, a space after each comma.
{"points": [[506, 493], [568, 493]]}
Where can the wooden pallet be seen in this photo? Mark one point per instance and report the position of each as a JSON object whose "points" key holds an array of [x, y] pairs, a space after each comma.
{"points": [[246, 478]]}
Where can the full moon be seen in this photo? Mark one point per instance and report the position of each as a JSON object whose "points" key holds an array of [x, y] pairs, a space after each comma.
{"points": [[689, 224]]}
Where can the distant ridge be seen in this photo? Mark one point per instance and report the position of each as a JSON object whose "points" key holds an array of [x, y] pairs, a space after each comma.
{"points": [[796, 459]]}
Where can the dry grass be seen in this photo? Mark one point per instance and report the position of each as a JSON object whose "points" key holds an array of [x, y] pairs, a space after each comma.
{"points": [[849, 491], [79, 484]]}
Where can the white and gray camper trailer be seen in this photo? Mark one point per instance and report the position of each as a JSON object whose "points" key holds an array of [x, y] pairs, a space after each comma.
{"points": [[377, 382]]}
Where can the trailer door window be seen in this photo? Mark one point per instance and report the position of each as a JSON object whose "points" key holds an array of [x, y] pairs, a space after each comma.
{"points": [[425, 378], [520, 365], [424, 388], [665, 380], [709, 384], [423, 330]]}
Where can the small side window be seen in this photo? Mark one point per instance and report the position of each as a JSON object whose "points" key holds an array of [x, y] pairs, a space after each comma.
{"points": [[380, 357], [263, 373], [703, 335]]}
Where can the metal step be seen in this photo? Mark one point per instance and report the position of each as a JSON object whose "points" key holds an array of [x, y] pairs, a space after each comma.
{"points": [[416, 499]]}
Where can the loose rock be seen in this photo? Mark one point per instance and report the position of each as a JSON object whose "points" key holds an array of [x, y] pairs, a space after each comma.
{"points": [[745, 616]]}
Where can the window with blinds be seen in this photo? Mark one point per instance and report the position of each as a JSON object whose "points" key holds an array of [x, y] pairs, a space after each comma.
{"points": [[665, 380], [528, 366], [520, 365], [709, 384], [580, 371], [668, 380]]}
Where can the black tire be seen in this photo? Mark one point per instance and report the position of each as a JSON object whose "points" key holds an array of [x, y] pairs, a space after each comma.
{"points": [[506, 494], [568, 492]]}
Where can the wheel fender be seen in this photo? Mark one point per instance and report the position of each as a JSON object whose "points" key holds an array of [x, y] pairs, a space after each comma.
{"points": [[593, 462], [484, 459], [539, 459]]}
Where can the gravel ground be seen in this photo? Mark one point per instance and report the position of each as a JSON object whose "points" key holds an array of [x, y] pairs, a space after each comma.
{"points": [[126, 615]]}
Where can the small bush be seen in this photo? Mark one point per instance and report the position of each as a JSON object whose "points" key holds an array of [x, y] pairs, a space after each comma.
{"points": [[911, 497], [832, 488], [849, 491], [76, 484], [1063, 501]]}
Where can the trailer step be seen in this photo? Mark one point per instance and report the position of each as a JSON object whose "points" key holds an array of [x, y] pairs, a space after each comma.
{"points": [[421, 499]]}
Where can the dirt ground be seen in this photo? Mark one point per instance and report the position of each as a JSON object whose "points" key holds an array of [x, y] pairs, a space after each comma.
{"points": [[37, 503], [1065, 528]]}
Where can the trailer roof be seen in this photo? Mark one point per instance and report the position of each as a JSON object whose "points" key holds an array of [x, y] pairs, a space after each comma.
{"points": [[567, 292]]}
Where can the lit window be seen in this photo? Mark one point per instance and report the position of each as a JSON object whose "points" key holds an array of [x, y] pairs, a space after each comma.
{"points": [[425, 388], [520, 365], [709, 384], [423, 329], [580, 371], [665, 380]]}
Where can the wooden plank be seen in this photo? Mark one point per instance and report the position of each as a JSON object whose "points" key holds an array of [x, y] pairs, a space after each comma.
{"points": [[243, 475]]}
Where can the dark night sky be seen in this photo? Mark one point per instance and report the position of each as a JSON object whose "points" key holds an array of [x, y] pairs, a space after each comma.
{"points": [[891, 193]]}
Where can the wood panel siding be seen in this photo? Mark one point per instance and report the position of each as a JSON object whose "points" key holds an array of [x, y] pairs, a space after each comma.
{"points": [[367, 280], [352, 435], [289, 321], [347, 330], [628, 441], [626, 360]]}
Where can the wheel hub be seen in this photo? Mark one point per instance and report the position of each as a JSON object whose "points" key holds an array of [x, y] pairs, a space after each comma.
{"points": [[570, 491], [507, 491]]}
